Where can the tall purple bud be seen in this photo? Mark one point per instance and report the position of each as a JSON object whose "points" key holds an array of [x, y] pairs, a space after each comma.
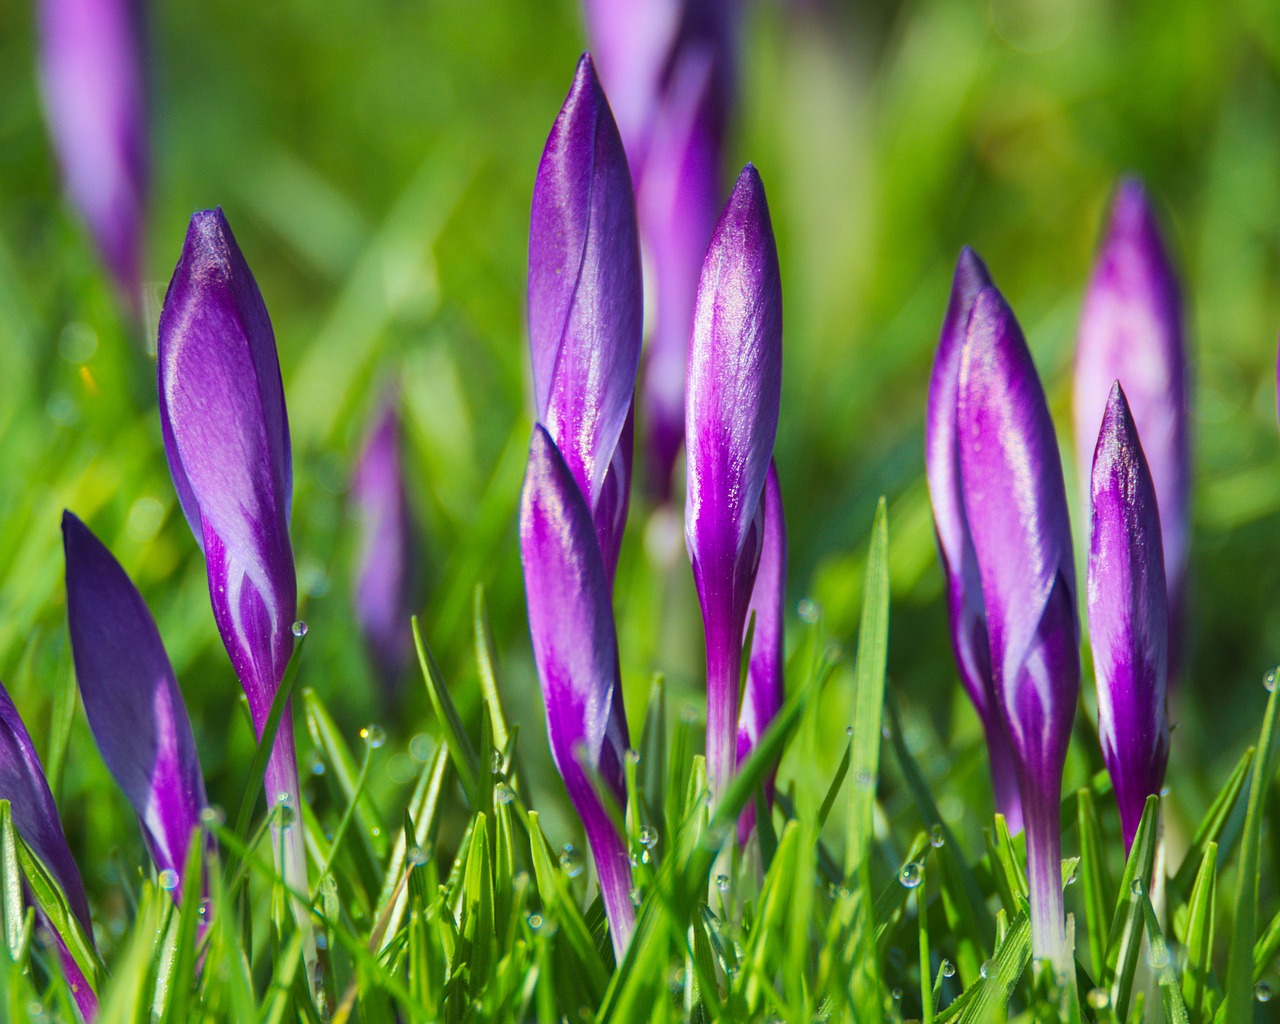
{"points": [[1131, 330], [762, 698], [735, 389], [1128, 615], [1016, 507], [93, 79], [586, 304], [226, 435], [132, 700], [575, 647], [385, 576], [965, 608], [35, 816], [670, 68]]}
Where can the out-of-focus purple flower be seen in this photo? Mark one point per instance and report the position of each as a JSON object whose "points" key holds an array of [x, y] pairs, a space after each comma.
{"points": [[965, 609], [1016, 507], [735, 389], [575, 647], [669, 69], [764, 691], [586, 303], [35, 816], [226, 435], [131, 698], [91, 70], [385, 576], [1128, 615], [1131, 330]]}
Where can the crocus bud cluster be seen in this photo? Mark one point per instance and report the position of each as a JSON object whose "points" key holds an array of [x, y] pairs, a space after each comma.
{"points": [[668, 66], [1131, 330], [226, 435], [1015, 518], [93, 81]]}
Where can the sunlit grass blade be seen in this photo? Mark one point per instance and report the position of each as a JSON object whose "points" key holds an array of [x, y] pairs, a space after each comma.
{"points": [[11, 902], [192, 919], [1095, 886], [1175, 1009], [465, 760], [1196, 935], [986, 997], [487, 666], [1124, 941]]}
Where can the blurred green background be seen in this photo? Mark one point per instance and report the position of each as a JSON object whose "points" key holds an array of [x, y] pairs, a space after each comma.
{"points": [[376, 162]]}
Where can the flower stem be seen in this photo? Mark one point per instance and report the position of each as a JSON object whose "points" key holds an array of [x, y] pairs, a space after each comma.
{"points": [[1044, 875], [613, 869], [724, 657], [287, 841]]}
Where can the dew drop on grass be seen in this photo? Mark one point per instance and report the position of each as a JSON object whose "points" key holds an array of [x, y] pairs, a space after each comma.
{"points": [[636, 897], [1269, 681], [808, 610], [503, 793], [535, 921], [648, 836], [420, 747], [299, 629], [213, 816], [168, 879], [416, 856], [863, 779], [571, 861], [947, 969], [497, 761], [937, 838], [1073, 875], [1135, 887], [315, 763], [374, 735], [722, 883], [911, 874], [1099, 998], [1262, 992], [988, 968]]}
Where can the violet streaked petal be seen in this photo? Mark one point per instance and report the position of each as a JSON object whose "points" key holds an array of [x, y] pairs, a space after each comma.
{"points": [[1131, 330], [585, 296], [763, 694], [1015, 504], [965, 609], [93, 82], [385, 576], [1128, 615], [575, 648], [131, 698], [227, 438]]}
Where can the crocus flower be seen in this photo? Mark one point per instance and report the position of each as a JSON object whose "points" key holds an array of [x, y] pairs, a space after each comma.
{"points": [[735, 389], [575, 647], [35, 816], [764, 691], [1128, 615], [91, 70], [385, 577], [1131, 330], [965, 608], [226, 435], [132, 700], [669, 68], [1016, 507], [585, 303]]}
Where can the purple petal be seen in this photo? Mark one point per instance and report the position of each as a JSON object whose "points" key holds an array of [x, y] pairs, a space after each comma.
{"points": [[35, 815], [965, 609], [131, 698], [385, 576], [1131, 330], [735, 380], [1015, 504], [1128, 615], [227, 438], [93, 81], [575, 648], [763, 695], [585, 297]]}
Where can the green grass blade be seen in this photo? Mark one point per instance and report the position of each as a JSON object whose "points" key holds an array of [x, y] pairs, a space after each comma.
{"points": [[1095, 886], [465, 760], [1197, 935], [1175, 1009], [1213, 827], [487, 665], [346, 772], [985, 999], [1125, 938]]}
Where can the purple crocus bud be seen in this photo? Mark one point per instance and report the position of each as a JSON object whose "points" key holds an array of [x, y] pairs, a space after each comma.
{"points": [[385, 578], [965, 609], [91, 70], [1128, 615], [575, 647], [226, 435], [132, 700], [35, 816], [735, 389], [1131, 330], [764, 691], [1016, 507], [586, 303], [669, 68]]}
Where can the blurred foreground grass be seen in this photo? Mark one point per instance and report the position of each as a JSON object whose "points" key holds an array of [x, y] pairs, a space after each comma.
{"points": [[376, 162]]}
